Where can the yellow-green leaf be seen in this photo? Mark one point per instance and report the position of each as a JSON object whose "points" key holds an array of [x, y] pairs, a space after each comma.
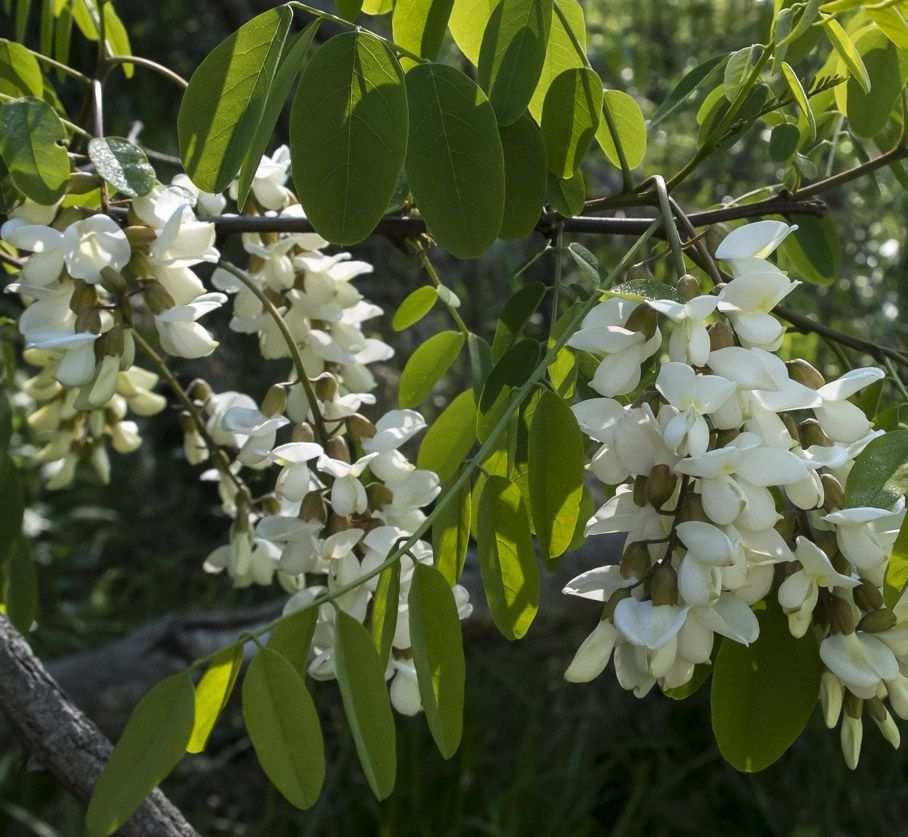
{"points": [[560, 52], [427, 365], [450, 438], [20, 74], [629, 126], [415, 306], [419, 25], [800, 97], [847, 51], [212, 694], [570, 118], [385, 606], [451, 536]]}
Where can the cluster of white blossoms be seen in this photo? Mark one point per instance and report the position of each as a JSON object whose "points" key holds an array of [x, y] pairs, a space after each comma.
{"points": [[339, 495], [729, 476]]}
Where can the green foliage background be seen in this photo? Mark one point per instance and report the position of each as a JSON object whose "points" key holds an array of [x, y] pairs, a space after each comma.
{"points": [[539, 756]]}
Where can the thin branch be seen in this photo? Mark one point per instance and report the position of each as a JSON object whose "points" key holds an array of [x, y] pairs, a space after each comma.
{"points": [[176, 78], [828, 183]]}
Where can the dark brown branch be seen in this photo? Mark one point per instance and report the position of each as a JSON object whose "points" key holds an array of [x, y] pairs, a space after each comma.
{"points": [[836, 180], [64, 741]]}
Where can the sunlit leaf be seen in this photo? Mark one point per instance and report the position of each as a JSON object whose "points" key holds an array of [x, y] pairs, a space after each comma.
{"points": [[427, 365]]}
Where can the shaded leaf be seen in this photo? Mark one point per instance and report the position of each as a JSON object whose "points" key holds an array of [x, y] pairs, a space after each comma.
{"points": [[570, 117], [385, 605], [123, 165], [292, 637], [880, 473], [525, 177], [32, 141]]}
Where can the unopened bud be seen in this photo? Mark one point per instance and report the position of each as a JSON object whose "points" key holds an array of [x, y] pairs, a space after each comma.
{"points": [[140, 236], [337, 449], [82, 182], [270, 504], [608, 609], [826, 540], [84, 297], [643, 319], [88, 319], [791, 425], [275, 401], [877, 621], [688, 287], [339, 523], [140, 266], [303, 433], [812, 434], [640, 490], [360, 427], [660, 485], [111, 342], [663, 585], [867, 596], [635, 563], [157, 297], [378, 495], [113, 281], [692, 509], [833, 493], [187, 423], [313, 507], [721, 336], [841, 617], [326, 387], [876, 709], [785, 526], [805, 373], [854, 706], [200, 390]]}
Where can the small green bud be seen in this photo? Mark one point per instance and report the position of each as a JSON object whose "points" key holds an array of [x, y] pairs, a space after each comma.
{"points": [[660, 485], [688, 287], [663, 585], [275, 401], [854, 706], [157, 297], [833, 493], [303, 433], [867, 596], [635, 563], [360, 427], [877, 621], [326, 387], [140, 236], [841, 617]]}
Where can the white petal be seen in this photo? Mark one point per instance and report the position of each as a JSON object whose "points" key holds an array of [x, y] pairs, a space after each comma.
{"points": [[755, 240]]}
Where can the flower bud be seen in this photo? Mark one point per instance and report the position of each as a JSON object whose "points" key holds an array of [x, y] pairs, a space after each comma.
{"points": [[139, 266], [337, 449], [841, 618], [140, 236], [877, 621], [660, 485], [200, 390], [721, 336], [898, 695], [89, 320], [867, 596], [640, 490], [608, 609], [82, 182], [643, 319], [326, 387], [360, 427], [128, 355], [831, 697], [378, 495], [663, 585], [688, 287], [270, 504], [303, 433], [635, 562], [275, 401], [805, 373], [851, 737], [157, 297], [593, 654], [313, 507], [339, 523], [785, 526], [84, 297], [812, 434], [111, 342], [791, 425], [692, 509], [833, 493]]}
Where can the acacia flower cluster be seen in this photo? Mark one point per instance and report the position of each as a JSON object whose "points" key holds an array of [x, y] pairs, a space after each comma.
{"points": [[339, 494], [730, 472]]}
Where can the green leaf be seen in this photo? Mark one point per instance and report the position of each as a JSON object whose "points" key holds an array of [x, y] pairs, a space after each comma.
{"points": [[20, 595], [438, 654], [570, 117], [893, 22], [296, 55], [62, 36], [385, 605], [223, 105], [450, 438], [524, 177], [349, 9], [32, 141], [212, 694], [702, 673], [813, 252], [688, 84], [880, 473], [20, 74], [427, 365], [566, 196], [377, 7], [509, 373], [887, 67], [897, 569], [123, 165], [480, 353], [512, 54], [415, 306], [847, 51], [117, 37], [629, 125], [739, 66], [152, 743], [515, 315], [284, 728], [467, 25], [451, 536], [783, 142], [419, 25], [348, 135], [556, 460], [560, 52], [455, 164], [361, 677], [507, 562], [292, 638], [800, 97], [775, 680]]}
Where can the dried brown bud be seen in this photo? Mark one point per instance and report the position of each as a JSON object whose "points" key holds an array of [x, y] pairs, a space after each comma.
{"points": [[643, 319], [878, 621], [688, 287], [339, 523], [337, 449], [721, 336], [360, 427], [867, 596], [660, 485], [379, 495], [833, 493], [303, 433], [140, 236], [635, 563], [805, 373], [313, 507], [663, 585], [841, 617], [812, 434]]}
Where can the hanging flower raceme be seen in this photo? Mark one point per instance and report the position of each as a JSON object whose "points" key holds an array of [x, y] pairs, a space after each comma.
{"points": [[729, 476]]}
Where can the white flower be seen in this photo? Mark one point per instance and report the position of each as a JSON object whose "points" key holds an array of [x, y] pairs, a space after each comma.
{"points": [[689, 342], [210, 203], [598, 584], [257, 430], [294, 480], [621, 514], [841, 420], [756, 240], [77, 364], [181, 335], [860, 660], [157, 207], [394, 429], [593, 655], [602, 332], [693, 396], [184, 241], [268, 180], [865, 535], [708, 549], [348, 496], [647, 625]]}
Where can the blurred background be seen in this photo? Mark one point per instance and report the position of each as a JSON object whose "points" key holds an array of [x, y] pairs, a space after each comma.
{"points": [[539, 755]]}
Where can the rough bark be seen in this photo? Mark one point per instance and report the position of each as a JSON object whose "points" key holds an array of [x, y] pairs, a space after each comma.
{"points": [[61, 739]]}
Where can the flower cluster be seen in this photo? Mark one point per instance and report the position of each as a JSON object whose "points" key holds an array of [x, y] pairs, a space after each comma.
{"points": [[729, 475]]}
